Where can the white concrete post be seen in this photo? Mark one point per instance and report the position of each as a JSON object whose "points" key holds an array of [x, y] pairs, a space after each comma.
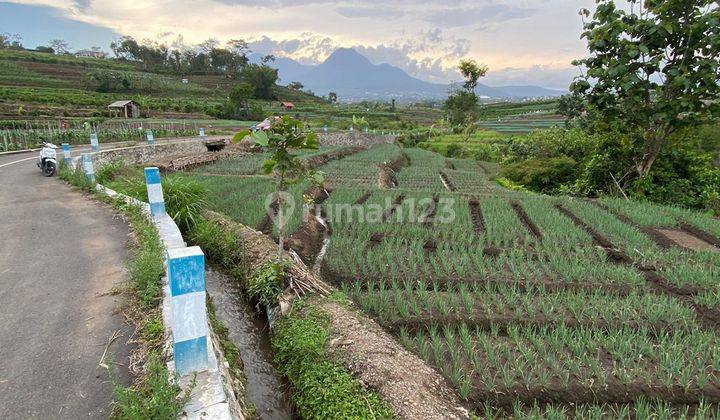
{"points": [[201, 132], [94, 144], [66, 153], [186, 274], [88, 168], [325, 128], [154, 192], [150, 137]]}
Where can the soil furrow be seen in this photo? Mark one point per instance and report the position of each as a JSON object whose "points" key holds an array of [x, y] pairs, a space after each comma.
{"points": [[446, 181], [527, 221], [700, 234], [614, 392], [502, 323], [360, 201], [394, 206], [477, 217], [484, 168], [308, 239], [428, 217]]}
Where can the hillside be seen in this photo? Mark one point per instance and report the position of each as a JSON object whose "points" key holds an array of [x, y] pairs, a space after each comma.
{"points": [[34, 84]]}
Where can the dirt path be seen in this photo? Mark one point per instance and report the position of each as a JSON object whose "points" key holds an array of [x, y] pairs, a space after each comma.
{"points": [[60, 255]]}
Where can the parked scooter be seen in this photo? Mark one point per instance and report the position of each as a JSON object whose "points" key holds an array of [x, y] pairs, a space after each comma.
{"points": [[47, 161]]}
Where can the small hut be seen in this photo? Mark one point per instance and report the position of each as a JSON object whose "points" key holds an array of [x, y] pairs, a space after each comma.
{"points": [[127, 109], [287, 106]]}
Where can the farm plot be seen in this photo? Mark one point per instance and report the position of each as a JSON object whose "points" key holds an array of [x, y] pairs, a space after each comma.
{"points": [[527, 304], [363, 169]]}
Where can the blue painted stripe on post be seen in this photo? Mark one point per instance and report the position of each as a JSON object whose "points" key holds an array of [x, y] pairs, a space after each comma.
{"points": [[157, 208], [186, 274], [152, 175], [191, 355]]}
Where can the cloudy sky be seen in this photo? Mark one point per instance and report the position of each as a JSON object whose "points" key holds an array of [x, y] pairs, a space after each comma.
{"points": [[522, 41]]}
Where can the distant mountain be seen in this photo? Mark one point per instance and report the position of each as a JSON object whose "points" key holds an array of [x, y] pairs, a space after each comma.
{"points": [[353, 77], [289, 70]]}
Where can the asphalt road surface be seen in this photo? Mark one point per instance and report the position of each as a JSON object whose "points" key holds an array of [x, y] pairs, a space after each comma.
{"points": [[61, 253]]}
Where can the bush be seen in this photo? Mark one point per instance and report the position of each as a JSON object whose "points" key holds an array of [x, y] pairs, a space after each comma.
{"points": [[681, 176], [265, 284], [542, 174]]}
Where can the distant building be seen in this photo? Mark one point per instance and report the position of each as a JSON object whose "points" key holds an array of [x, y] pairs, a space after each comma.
{"points": [[91, 54], [287, 106], [126, 109]]}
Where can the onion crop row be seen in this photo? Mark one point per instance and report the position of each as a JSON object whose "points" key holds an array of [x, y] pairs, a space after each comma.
{"points": [[402, 301], [531, 357]]}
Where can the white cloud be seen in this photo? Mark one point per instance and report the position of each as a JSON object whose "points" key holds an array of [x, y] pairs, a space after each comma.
{"points": [[425, 38]]}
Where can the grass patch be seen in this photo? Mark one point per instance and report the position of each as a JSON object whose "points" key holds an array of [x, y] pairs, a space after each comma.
{"points": [[322, 387], [155, 398], [222, 246], [74, 177]]}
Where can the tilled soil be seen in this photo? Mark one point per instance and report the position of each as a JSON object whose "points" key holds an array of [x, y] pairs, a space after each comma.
{"points": [[527, 221]]}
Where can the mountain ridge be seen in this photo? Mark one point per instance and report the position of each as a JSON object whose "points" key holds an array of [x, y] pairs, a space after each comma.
{"points": [[354, 77]]}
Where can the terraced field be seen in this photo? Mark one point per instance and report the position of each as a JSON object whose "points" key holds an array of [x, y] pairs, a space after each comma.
{"points": [[529, 305]]}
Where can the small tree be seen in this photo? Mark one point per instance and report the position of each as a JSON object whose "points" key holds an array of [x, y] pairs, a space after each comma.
{"points": [[461, 105], [239, 100], [261, 77], [472, 72], [285, 135], [653, 70], [296, 85], [59, 46], [332, 97]]}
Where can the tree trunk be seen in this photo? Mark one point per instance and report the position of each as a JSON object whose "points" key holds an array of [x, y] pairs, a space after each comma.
{"points": [[281, 227], [651, 150]]}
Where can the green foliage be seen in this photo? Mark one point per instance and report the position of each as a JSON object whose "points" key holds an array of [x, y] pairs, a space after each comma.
{"points": [[155, 398], [74, 177], [653, 70], [185, 198], [461, 107], [681, 176], [262, 79], [265, 283], [322, 388], [571, 106], [542, 174], [146, 265], [472, 72]]}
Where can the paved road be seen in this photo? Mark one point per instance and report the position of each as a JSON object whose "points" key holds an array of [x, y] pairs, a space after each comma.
{"points": [[60, 253]]}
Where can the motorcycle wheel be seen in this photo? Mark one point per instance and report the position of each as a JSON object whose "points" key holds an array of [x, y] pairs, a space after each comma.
{"points": [[49, 169]]}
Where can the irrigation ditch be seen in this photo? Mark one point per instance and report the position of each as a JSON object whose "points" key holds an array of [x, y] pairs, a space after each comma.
{"points": [[265, 388]]}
